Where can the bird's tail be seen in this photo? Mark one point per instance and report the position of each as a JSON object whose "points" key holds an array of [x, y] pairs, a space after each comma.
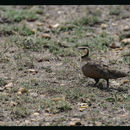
{"points": [[118, 74]]}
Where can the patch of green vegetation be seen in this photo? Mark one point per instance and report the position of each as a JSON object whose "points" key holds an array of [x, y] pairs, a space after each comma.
{"points": [[66, 27], [73, 94], [33, 83], [2, 82], [79, 34], [56, 106], [87, 20], [127, 102], [20, 111], [115, 11], [15, 15], [25, 31], [6, 30], [31, 43], [3, 98], [102, 41], [126, 59], [24, 60]]}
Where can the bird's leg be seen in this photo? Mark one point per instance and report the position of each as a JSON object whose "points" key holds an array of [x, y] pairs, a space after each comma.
{"points": [[107, 83], [96, 80]]}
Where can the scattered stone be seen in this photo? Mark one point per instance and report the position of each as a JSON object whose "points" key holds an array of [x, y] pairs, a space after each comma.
{"points": [[12, 103], [54, 26], [21, 91], [126, 28], [27, 122], [39, 24], [115, 83], [126, 41], [104, 26], [75, 122], [114, 24], [32, 71], [98, 123], [46, 35], [33, 119], [59, 99], [17, 122], [115, 45], [83, 106], [2, 123], [9, 85], [36, 114]]}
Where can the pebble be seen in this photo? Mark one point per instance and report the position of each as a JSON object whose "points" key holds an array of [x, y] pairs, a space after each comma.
{"points": [[104, 26], [126, 41], [98, 123], [36, 114]]}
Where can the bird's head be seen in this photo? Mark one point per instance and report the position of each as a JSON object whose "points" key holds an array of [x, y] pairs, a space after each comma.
{"points": [[84, 52]]}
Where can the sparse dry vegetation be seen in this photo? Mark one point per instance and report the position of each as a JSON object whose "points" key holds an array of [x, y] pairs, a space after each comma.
{"points": [[40, 78]]}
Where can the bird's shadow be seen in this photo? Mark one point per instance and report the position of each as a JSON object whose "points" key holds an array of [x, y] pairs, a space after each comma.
{"points": [[101, 87]]}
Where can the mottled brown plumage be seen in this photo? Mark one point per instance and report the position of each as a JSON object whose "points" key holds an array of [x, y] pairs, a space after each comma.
{"points": [[97, 70]]}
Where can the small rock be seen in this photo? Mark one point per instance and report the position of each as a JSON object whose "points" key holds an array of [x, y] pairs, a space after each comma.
{"points": [[12, 103], [17, 122], [115, 45], [21, 91], [115, 83], [46, 35], [9, 85], [83, 106], [98, 123], [126, 41], [62, 84], [75, 122], [33, 119], [34, 30], [126, 28], [104, 26], [39, 24], [2, 123], [32, 71], [36, 114], [54, 26], [114, 24], [27, 122], [59, 99]]}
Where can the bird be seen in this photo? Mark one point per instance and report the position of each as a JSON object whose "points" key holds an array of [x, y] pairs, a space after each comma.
{"points": [[97, 69]]}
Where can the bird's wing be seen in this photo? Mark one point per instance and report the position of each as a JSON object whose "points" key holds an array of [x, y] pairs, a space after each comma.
{"points": [[99, 64]]}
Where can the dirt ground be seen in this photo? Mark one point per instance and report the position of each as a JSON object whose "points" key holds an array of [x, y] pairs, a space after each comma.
{"points": [[41, 83]]}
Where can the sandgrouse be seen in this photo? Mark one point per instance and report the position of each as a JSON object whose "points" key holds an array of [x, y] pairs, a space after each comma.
{"points": [[96, 69]]}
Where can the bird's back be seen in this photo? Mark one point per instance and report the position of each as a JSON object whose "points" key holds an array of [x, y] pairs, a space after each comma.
{"points": [[98, 70]]}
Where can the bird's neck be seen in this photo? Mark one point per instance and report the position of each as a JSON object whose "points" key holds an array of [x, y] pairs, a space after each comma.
{"points": [[84, 59]]}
